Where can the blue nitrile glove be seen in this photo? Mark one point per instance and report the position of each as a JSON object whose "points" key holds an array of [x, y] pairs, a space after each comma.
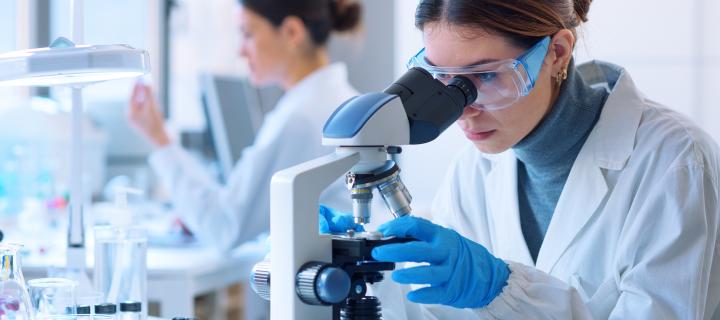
{"points": [[461, 274], [332, 221]]}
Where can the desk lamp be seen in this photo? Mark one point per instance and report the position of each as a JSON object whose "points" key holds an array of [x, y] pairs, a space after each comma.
{"points": [[65, 63]]}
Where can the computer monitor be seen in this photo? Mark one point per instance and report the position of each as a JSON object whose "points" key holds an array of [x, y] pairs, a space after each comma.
{"points": [[233, 114]]}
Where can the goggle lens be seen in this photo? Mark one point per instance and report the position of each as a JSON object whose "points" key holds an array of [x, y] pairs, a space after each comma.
{"points": [[499, 84]]}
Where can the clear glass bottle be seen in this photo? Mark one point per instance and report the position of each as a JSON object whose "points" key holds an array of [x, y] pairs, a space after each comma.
{"points": [[121, 256], [14, 296], [121, 264]]}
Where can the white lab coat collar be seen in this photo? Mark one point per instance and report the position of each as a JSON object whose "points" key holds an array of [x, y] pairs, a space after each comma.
{"points": [[608, 146], [326, 77], [613, 138]]}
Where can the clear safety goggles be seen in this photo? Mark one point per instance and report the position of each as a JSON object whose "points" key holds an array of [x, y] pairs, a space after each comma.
{"points": [[500, 83]]}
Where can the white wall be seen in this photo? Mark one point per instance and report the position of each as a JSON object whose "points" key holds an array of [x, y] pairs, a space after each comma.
{"points": [[8, 42], [664, 49], [671, 49], [710, 68], [204, 38], [7, 23]]}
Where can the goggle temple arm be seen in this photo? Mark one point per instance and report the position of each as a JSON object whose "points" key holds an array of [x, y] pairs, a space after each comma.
{"points": [[533, 59]]}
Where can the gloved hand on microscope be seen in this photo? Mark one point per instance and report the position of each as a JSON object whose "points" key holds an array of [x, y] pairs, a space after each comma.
{"points": [[460, 273]]}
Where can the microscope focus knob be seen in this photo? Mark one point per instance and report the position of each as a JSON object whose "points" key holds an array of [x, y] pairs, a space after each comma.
{"points": [[260, 279], [320, 283]]}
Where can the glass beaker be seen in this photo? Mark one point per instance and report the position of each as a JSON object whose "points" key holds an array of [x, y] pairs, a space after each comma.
{"points": [[14, 298], [121, 264], [52, 296]]}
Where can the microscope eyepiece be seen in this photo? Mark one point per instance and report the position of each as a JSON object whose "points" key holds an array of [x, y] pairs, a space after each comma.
{"points": [[431, 106], [466, 86]]}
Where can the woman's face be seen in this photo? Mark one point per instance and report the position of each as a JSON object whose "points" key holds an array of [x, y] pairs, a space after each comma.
{"points": [[490, 131], [260, 45]]}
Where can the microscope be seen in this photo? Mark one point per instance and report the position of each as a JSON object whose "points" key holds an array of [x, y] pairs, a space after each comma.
{"points": [[321, 276]]}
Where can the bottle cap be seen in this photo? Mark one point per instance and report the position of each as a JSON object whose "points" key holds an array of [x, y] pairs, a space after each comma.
{"points": [[82, 310], [130, 306], [105, 308]]}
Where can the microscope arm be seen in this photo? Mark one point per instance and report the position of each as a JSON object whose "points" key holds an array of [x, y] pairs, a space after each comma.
{"points": [[295, 193]]}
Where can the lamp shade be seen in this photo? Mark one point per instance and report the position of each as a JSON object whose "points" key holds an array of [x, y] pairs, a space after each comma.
{"points": [[64, 63]]}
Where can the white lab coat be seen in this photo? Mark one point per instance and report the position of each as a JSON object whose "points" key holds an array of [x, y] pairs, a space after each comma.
{"points": [[634, 234], [226, 215]]}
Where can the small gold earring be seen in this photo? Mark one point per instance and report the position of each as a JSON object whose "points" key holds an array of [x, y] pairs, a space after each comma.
{"points": [[562, 75]]}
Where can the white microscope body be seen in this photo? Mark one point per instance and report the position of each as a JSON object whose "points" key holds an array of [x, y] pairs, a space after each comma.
{"points": [[306, 277]]}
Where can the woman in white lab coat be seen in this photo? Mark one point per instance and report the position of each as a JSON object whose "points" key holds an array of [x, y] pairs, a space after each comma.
{"points": [[284, 42], [578, 198]]}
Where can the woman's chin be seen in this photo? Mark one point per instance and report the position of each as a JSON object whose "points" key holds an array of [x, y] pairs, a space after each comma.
{"points": [[256, 80], [260, 80], [490, 146]]}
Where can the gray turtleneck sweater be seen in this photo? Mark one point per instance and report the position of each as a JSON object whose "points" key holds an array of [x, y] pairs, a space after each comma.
{"points": [[546, 155]]}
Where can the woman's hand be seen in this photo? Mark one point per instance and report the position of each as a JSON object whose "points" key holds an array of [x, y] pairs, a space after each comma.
{"points": [[460, 273], [144, 115]]}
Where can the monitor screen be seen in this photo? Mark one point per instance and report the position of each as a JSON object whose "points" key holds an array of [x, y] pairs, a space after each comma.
{"points": [[233, 114]]}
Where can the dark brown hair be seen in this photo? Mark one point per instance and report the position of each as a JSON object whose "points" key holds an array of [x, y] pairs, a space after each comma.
{"points": [[522, 22], [320, 17]]}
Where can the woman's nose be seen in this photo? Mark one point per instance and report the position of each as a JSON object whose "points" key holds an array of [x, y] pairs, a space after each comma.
{"points": [[470, 112], [242, 50]]}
